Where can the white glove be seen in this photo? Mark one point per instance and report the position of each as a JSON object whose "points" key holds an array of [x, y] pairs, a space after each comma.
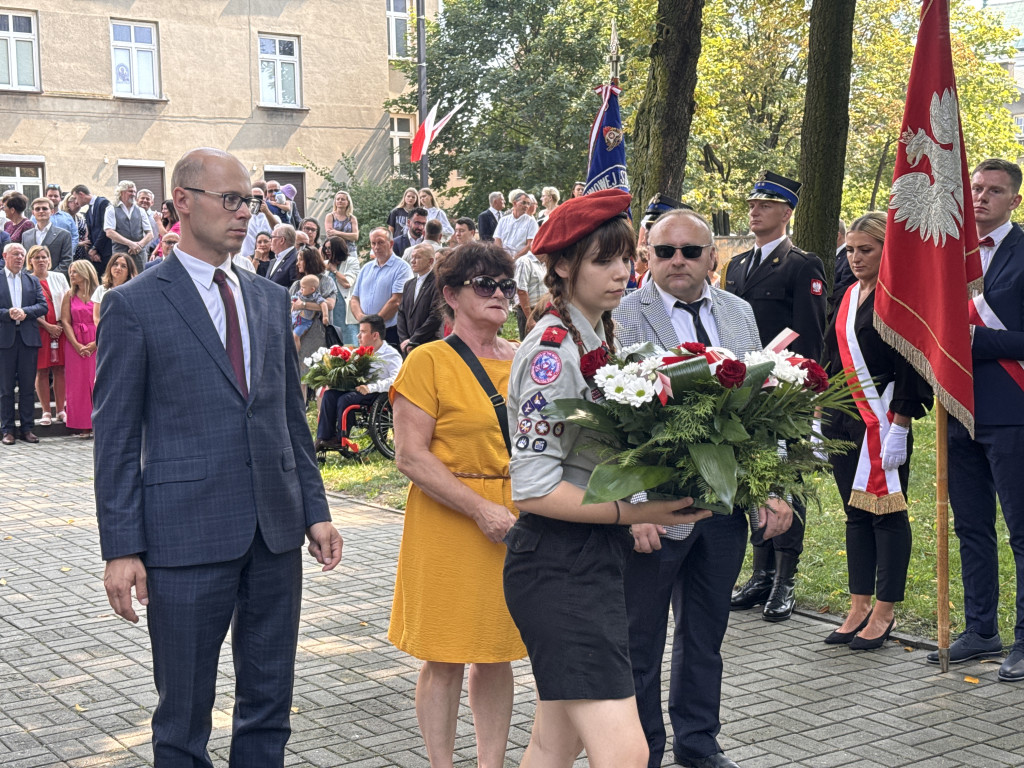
{"points": [[894, 449], [816, 441]]}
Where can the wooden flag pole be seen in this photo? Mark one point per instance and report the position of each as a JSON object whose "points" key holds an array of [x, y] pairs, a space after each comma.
{"points": [[942, 531]]}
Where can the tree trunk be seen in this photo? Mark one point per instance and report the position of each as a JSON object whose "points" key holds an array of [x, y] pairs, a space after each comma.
{"points": [[663, 118], [824, 132]]}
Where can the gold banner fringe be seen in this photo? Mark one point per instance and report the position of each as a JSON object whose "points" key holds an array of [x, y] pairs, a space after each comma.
{"points": [[916, 358], [878, 505], [975, 287]]}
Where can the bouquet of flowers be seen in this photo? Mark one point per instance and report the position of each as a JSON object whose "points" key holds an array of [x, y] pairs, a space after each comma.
{"points": [[339, 367], [698, 422]]}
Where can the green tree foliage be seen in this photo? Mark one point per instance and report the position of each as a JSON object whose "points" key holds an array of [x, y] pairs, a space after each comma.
{"points": [[526, 71], [750, 94]]}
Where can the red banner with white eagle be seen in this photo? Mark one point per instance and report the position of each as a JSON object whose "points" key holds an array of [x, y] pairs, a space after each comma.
{"points": [[930, 259]]}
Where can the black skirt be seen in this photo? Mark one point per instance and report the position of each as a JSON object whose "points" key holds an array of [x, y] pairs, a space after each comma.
{"points": [[564, 589]]}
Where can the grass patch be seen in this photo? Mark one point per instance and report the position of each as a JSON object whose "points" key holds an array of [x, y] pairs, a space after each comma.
{"points": [[823, 584], [373, 478]]}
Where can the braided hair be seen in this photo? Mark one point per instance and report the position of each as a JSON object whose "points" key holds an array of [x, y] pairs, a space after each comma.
{"points": [[613, 239]]}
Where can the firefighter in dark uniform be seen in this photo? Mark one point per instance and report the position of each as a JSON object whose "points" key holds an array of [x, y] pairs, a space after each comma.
{"points": [[786, 288]]}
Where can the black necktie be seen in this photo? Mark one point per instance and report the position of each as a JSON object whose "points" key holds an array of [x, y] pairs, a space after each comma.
{"points": [[233, 337], [755, 260], [698, 326]]}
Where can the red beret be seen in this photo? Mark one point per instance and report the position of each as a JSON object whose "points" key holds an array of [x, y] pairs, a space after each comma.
{"points": [[578, 217]]}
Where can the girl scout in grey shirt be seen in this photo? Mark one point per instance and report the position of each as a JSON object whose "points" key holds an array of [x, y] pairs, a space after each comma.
{"points": [[564, 567]]}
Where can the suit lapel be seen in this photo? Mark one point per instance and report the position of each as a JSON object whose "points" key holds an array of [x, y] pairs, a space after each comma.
{"points": [[257, 317], [427, 282], [1001, 258], [182, 294], [725, 329], [653, 309]]}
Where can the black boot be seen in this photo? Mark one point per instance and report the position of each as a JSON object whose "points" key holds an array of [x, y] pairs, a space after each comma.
{"points": [[759, 585], [782, 599]]}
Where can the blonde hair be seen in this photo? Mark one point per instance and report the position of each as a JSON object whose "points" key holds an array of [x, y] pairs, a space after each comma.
{"points": [[84, 269], [351, 206], [38, 249], [429, 191], [553, 192], [871, 224]]}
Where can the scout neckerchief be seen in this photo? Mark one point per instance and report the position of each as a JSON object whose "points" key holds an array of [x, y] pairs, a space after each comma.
{"points": [[874, 489]]}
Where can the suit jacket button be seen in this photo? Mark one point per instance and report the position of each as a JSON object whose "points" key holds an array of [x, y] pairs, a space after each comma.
{"points": [[249, 413], [248, 462]]}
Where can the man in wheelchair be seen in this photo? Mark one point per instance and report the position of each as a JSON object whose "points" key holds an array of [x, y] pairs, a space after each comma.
{"points": [[329, 433]]}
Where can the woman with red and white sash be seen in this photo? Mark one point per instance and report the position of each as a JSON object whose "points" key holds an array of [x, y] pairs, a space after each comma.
{"points": [[872, 478]]}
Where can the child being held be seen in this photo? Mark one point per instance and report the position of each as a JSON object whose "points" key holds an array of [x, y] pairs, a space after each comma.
{"points": [[302, 319]]}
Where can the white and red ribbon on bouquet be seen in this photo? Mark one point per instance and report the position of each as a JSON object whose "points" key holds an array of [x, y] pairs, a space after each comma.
{"points": [[874, 489], [981, 314]]}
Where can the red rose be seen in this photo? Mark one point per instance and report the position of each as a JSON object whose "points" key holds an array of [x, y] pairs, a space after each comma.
{"points": [[336, 351], [345, 354], [817, 379], [694, 348], [731, 373], [592, 361]]}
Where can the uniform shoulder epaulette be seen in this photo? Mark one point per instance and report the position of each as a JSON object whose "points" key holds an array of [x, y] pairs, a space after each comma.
{"points": [[553, 336]]}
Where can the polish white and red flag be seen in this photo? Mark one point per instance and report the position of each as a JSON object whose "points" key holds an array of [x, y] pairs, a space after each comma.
{"points": [[429, 129], [930, 261]]}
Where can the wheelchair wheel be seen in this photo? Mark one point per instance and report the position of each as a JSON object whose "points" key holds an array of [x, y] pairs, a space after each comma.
{"points": [[381, 426], [360, 432]]}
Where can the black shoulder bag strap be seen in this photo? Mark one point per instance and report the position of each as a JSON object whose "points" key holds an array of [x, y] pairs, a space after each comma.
{"points": [[485, 381]]}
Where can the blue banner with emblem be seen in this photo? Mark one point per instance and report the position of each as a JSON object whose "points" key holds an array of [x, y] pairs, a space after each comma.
{"points": [[607, 147]]}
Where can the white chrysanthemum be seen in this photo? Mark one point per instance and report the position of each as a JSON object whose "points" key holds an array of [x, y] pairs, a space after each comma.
{"points": [[629, 390], [631, 369], [649, 365], [308, 362], [639, 392], [605, 374], [627, 351], [782, 369]]}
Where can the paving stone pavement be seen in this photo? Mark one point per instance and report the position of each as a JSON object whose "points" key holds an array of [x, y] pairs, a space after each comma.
{"points": [[76, 689]]}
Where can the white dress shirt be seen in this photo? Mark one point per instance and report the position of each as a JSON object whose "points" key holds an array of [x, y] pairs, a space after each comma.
{"points": [[202, 275], [14, 286], [987, 252], [682, 320]]}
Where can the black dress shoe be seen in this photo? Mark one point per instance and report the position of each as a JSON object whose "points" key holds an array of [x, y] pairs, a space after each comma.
{"points": [[861, 644], [1012, 670], [8, 438], [717, 760], [782, 600], [844, 638], [970, 645], [28, 437]]}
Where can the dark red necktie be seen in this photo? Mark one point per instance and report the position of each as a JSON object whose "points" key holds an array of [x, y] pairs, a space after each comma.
{"points": [[233, 341], [986, 242]]}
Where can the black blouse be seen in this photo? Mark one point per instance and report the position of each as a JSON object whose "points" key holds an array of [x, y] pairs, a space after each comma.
{"points": [[912, 396]]}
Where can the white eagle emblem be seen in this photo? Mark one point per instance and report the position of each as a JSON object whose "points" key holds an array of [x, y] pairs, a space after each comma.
{"points": [[933, 204]]}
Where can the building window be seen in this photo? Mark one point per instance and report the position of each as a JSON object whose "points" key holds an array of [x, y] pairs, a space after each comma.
{"points": [[26, 178], [19, 54], [136, 64], [401, 140], [398, 28], [1019, 121], [280, 76]]}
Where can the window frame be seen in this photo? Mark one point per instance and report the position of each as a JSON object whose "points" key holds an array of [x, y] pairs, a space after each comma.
{"points": [[391, 16], [18, 181], [397, 137], [278, 59], [12, 37], [133, 51]]}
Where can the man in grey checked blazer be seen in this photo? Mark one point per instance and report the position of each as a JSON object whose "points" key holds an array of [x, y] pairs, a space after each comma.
{"points": [[693, 567], [206, 481]]}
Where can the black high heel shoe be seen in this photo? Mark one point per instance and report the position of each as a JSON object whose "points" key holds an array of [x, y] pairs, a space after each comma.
{"points": [[860, 644], [844, 638]]}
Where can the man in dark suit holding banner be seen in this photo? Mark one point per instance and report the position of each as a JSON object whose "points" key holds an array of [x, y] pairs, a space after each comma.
{"points": [[987, 465], [206, 482]]}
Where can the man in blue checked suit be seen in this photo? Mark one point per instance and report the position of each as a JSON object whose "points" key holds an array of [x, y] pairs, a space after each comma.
{"points": [[206, 482], [691, 567]]}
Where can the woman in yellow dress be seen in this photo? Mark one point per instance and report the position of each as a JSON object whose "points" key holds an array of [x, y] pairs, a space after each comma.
{"points": [[449, 608]]}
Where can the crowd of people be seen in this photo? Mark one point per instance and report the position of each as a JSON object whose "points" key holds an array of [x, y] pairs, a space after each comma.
{"points": [[500, 557]]}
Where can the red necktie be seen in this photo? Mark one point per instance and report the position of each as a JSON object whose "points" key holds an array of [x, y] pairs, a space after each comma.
{"points": [[987, 242], [233, 341]]}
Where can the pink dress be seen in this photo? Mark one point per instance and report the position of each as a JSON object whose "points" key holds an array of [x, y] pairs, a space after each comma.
{"points": [[80, 372]]}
